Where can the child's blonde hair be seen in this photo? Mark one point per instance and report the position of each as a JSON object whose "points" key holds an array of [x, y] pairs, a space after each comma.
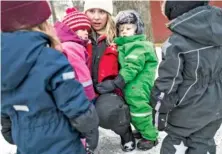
{"points": [[48, 29]]}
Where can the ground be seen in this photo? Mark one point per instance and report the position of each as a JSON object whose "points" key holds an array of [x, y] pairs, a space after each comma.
{"points": [[109, 143]]}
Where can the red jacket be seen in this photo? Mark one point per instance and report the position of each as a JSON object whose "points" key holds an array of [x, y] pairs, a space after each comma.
{"points": [[108, 61]]}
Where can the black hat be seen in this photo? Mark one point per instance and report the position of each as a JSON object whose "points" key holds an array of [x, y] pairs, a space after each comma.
{"points": [[173, 9]]}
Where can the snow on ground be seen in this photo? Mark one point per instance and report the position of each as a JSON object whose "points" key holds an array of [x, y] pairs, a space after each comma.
{"points": [[109, 142]]}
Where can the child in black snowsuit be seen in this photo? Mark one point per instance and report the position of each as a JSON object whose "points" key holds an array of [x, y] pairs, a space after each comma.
{"points": [[187, 96]]}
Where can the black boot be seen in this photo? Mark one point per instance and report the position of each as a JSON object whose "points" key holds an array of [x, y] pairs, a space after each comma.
{"points": [[136, 134], [128, 142], [145, 144]]}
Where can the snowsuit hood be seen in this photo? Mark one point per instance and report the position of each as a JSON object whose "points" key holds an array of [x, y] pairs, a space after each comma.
{"points": [[20, 64], [65, 34], [205, 28], [130, 17]]}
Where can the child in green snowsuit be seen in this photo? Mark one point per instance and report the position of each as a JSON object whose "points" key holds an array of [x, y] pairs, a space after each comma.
{"points": [[138, 64]]}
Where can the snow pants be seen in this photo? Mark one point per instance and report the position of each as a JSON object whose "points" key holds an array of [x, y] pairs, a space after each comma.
{"points": [[199, 142], [113, 114], [141, 112]]}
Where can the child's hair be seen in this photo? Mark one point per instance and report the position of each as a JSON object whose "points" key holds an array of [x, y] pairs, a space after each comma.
{"points": [[110, 30], [47, 29]]}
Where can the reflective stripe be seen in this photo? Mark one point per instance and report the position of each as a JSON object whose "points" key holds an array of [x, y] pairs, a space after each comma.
{"points": [[157, 107], [21, 108], [188, 18], [131, 57], [87, 83], [178, 69], [68, 75], [161, 96], [196, 74], [140, 114], [157, 119]]}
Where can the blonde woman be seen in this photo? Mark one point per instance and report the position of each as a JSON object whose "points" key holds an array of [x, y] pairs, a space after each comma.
{"points": [[103, 55], [43, 109]]}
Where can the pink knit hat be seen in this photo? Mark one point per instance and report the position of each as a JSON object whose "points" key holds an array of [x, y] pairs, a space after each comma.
{"points": [[23, 14], [76, 20]]}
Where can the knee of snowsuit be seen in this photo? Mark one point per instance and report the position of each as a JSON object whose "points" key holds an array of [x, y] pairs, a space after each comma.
{"points": [[199, 142], [140, 111], [113, 113]]}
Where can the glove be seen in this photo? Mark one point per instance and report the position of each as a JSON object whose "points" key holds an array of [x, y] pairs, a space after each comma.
{"points": [[162, 105], [160, 120], [92, 139], [110, 85], [6, 129], [87, 124]]}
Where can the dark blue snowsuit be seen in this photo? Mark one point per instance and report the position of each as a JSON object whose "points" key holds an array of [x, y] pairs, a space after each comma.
{"points": [[40, 96]]}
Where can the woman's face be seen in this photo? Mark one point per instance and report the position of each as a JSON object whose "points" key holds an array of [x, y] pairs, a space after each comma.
{"points": [[98, 18]]}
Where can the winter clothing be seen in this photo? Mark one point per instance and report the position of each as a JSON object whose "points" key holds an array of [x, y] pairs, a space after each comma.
{"points": [[76, 20], [104, 60], [130, 17], [144, 144], [104, 67], [91, 134], [189, 85], [201, 142], [6, 129], [111, 103], [114, 114], [138, 64], [32, 13], [40, 96], [75, 50], [106, 5], [110, 85], [173, 9]]}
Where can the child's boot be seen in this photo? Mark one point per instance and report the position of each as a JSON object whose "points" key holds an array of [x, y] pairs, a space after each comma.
{"points": [[145, 144]]}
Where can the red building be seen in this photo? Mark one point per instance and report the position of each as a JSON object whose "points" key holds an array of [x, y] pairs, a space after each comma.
{"points": [[160, 32]]}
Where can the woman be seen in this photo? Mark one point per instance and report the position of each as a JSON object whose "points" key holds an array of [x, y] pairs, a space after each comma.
{"points": [[104, 65]]}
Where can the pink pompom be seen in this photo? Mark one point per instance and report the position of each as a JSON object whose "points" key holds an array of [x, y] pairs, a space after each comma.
{"points": [[70, 10]]}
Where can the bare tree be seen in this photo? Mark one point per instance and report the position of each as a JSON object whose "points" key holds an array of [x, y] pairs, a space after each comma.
{"points": [[142, 7], [54, 18], [78, 4]]}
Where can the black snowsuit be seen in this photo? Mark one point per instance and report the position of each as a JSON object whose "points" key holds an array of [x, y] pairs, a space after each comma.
{"points": [[187, 96]]}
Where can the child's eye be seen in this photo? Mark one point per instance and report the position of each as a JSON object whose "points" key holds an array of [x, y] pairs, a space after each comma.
{"points": [[128, 29]]}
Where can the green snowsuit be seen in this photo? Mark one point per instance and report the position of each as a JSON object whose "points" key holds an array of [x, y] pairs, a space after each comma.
{"points": [[138, 64]]}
